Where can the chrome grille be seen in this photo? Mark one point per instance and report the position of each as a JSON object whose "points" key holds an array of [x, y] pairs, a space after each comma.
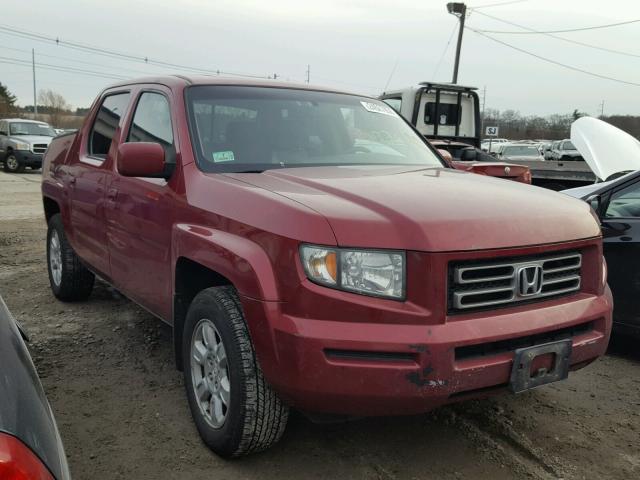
{"points": [[39, 148], [481, 285]]}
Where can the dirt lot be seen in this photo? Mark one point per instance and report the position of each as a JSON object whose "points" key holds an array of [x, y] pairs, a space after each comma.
{"points": [[107, 368]]}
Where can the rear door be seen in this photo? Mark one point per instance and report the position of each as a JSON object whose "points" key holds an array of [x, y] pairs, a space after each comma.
{"points": [[621, 232], [87, 176], [141, 210]]}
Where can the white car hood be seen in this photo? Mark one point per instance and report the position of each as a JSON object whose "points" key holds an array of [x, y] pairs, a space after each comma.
{"points": [[605, 148], [32, 139]]}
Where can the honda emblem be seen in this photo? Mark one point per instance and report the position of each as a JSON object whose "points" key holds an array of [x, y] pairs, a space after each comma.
{"points": [[529, 280]]}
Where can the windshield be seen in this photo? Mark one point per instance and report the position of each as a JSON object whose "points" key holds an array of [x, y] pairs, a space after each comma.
{"points": [[520, 151], [568, 146], [28, 128], [236, 129]]}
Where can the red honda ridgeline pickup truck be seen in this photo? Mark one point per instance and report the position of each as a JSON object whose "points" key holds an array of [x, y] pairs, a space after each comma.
{"points": [[311, 250]]}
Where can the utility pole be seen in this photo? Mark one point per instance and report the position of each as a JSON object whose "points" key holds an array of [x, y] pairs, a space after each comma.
{"points": [[484, 101], [459, 10], [308, 73], [33, 65], [602, 109]]}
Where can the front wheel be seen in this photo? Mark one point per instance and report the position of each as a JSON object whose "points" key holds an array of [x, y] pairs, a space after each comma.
{"points": [[235, 411], [70, 280], [12, 164]]}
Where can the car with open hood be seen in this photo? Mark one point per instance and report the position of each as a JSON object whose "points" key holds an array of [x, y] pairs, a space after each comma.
{"points": [[311, 250], [614, 155]]}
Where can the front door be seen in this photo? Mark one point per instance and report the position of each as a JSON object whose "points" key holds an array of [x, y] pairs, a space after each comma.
{"points": [[621, 232], [140, 216]]}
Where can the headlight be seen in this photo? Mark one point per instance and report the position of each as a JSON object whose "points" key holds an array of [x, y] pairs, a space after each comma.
{"points": [[22, 146], [370, 272]]}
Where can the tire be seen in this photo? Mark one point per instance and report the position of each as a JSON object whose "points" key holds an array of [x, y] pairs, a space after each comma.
{"points": [[254, 418], [70, 280], [12, 164]]}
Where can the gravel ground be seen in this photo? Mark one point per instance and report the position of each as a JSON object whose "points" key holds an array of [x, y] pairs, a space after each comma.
{"points": [[107, 368]]}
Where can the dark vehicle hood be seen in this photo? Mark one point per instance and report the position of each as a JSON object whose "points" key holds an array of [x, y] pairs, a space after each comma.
{"points": [[434, 209], [24, 410]]}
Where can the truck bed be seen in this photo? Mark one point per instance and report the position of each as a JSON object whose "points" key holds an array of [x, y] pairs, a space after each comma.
{"points": [[557, 174]]}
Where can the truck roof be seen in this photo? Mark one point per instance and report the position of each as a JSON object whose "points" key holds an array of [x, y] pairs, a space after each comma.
{"points": [[452, 87], [186, 80]]}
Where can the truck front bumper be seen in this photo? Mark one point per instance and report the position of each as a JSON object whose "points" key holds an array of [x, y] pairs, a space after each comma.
{"points": [[28, 158], [358, 368]]}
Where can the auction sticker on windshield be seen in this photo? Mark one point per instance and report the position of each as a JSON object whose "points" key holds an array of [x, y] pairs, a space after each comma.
{"points": [[378, 108], [219, 157]]}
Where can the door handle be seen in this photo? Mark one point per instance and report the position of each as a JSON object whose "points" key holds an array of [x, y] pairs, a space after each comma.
{"points": [[72, 180], [112, 194]]}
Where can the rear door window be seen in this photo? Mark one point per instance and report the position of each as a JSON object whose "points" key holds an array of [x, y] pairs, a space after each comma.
{"points": [[106, 123], [447, 114]]}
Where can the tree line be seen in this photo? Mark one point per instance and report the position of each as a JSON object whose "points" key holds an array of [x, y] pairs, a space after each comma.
{"points": [[515, 126], [53, 108]]}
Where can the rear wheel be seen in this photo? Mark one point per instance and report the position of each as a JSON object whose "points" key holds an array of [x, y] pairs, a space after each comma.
{"points": [[69, 279], [235, 410], [12, 164]]}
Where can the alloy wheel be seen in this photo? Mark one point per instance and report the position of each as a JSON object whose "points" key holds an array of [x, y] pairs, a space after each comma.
{"points": [[210, 373]]}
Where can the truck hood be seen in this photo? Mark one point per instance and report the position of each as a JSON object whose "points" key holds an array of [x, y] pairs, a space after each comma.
{"points": [[434, 209], [32, 139], [606, 149]]}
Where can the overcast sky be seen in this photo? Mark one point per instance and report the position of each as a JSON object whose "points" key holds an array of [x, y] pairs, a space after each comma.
{"points": [[352, 44]]}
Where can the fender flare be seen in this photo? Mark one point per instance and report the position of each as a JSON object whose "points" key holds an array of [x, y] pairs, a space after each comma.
{"points": [[241, 261], [237, 258]]}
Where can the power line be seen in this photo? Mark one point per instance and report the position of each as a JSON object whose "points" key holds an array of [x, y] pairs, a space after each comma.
{"points": [[446, 49], [47, 66], [596, 47], [575, 69], [76, 61], [569, 30], [499, 4], [115, 54]]}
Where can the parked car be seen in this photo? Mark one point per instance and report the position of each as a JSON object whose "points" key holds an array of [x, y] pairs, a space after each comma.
{"points": [[311, 250], [564, 150], [510, 152], [492, 144], [613, 153], [471, 159], [547, 148], [22, 143], [30, 445]]}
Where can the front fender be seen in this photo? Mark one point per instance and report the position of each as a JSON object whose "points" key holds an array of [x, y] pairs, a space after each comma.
{"points": [[243, 262]]}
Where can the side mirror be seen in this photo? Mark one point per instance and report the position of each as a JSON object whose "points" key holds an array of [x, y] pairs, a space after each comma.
{"points": [[468, 155], [141, 159], [446, 156]]}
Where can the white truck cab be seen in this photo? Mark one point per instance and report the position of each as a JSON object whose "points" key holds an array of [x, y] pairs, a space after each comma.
{"points": [[439, 110]]}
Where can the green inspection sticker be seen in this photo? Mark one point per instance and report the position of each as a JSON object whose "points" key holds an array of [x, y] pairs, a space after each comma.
{"points": [[223, 156]]}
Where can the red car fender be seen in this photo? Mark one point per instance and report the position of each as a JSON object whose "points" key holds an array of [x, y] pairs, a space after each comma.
{"points": [[243, 262]]}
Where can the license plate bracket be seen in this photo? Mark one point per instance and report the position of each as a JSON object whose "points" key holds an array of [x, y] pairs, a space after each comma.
{"points": [[521, 378]]}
